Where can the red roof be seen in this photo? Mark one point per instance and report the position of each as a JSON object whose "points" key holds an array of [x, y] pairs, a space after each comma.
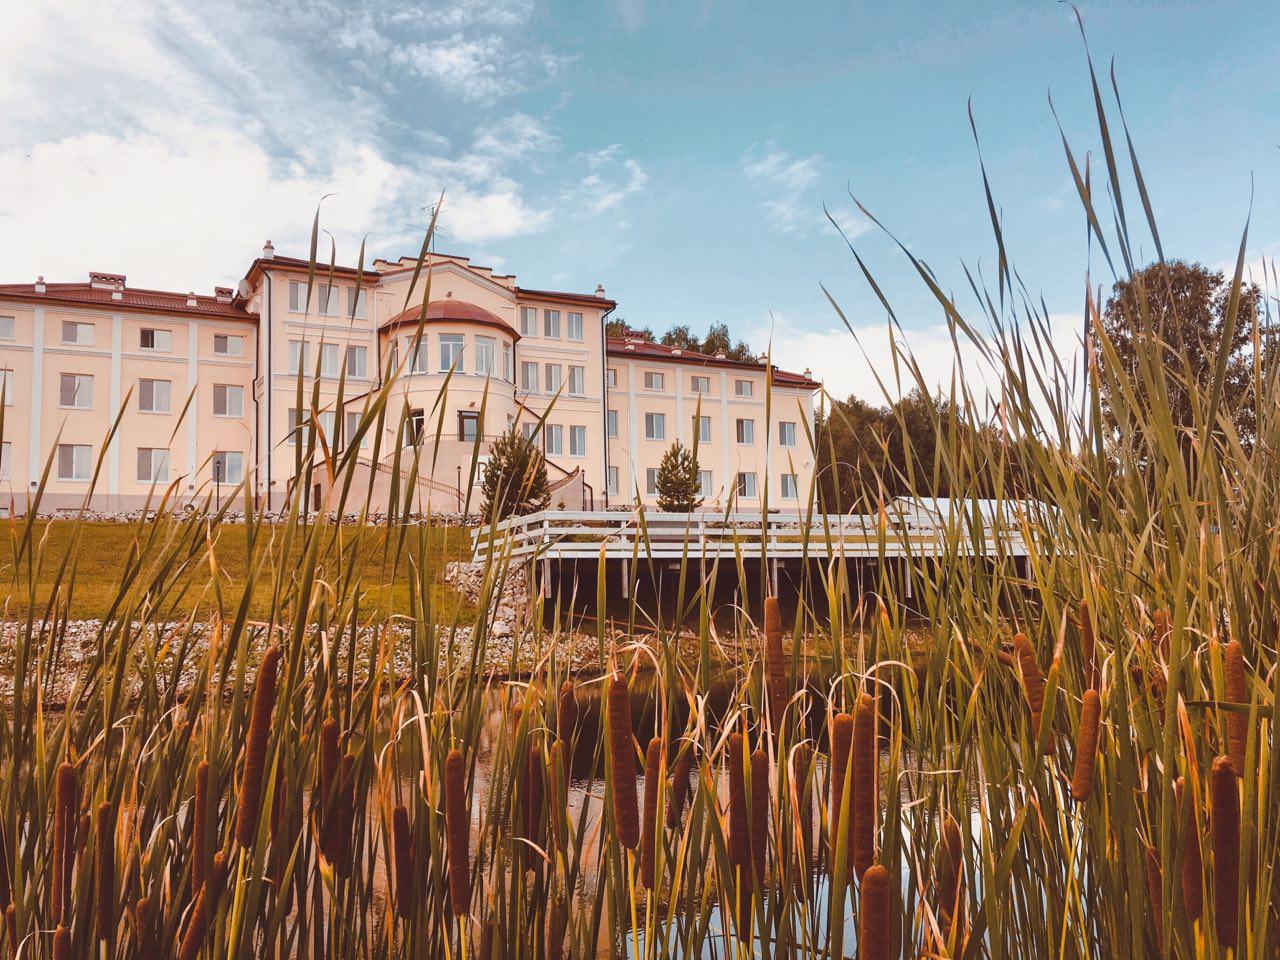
{"points": [[638, 346], [147, 301], [457, 311]]}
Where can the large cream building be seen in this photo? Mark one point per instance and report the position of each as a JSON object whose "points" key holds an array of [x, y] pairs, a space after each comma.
{"points": [[206, 391]]}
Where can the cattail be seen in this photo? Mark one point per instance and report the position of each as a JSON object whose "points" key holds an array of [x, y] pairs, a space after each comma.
{"points": [[82, 833], [566, 712], [255, 750], [199, 829], [1033, 684], [64, 839], [488, 930], [556, 918], [1088, 653], [865, 795], [202, 913], [801, 766], [1192, 863], [649, 822], [142, 926], [557, 779], [873, 915], [759, 814], [1155, 896], [533, 795], [841, 748], [62, 943], [402, 847], [626, 815], [680, 783], [1086, 747], [330, 757], [104, 869], [344, 815], [1237, 692], [457, 821], [949, 878], [775, 664], [740, 827], [1225, 817], [11, 931]]}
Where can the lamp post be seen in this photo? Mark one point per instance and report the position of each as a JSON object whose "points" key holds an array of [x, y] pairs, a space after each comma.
{"points": [[217, 484]]}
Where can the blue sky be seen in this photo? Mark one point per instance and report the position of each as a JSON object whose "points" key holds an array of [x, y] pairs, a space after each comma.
{"points": [[678, 153]]}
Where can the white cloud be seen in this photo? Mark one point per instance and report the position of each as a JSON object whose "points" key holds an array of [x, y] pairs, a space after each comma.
{"points": [[601, 192], [474, 68], [787, 182]]}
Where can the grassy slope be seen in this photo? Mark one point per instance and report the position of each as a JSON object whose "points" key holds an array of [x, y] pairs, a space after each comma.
{"points": [[100, 556]]}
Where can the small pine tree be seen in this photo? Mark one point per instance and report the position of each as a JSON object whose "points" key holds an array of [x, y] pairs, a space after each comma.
{"points": [[678, 486], [515, 482]]}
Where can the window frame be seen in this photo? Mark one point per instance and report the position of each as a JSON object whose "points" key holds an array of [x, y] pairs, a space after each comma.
{"points": [[611, 424], [745, 431], [577, 431], [228, 338], [660, 422], [659, 375], [553, 439], [694, 383], [525, 380], [529, 322], [151, 465], [786, 433], [227, 479], [573, 320], [79, 325], [551, 324], [76, 392], [168, 335], [581, 371], [455, 344], [740, 484], [486, 347], [472, 417], [750, 392], [145, 383], [353, 351], [88, 463]]}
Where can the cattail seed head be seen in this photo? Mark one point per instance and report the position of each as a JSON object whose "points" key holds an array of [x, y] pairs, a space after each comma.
{"points": [[457, 819], [865, 812], [1033, 685], [199, 828], [759, 814], [649, 822], [64, 839], [683, 769], [329, 759], [1088, 651], [1155, 888], [344, 815], [775, 662], [566, 712], [557, 778], [255, 751], [1225, 823], [534, 790], [874, 937], [62, 944], [739, 815], [802, 790], [1192, 878], [104, 869], [949, 878], [1086, 746], [556, 920], [841, 751], [626, 814], [142, 927], [202, 913], [1237, 688], [402, 850]]}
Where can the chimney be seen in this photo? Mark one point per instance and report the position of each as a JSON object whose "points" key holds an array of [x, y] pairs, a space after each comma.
{"points": [[40, 284], [223, 294], [106, 281], [721, 355], [191, 299], [600, 290], [808, 373], [268, 251]]}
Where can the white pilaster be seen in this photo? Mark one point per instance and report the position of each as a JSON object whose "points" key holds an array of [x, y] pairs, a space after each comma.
{"points": [[634, 433], [34, 459], [193, 384], [726, 438], [680, 424], [113, 406]]}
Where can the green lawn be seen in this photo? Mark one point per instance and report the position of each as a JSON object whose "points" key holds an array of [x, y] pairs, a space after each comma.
{"points": [[101, 557]]}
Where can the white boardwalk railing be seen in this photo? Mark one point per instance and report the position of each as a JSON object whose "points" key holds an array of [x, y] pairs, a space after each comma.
{"points": [[587, 535]]}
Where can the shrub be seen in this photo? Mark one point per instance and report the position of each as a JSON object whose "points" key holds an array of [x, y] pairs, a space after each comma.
{"points": [[516, 479], [678, 487]]}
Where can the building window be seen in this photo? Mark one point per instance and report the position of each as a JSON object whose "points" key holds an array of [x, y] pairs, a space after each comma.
{"points": [[747, 486], [506, 362], [7, 328], [611, 481], [73, 461], [577, 441], [297, 297], [6, 387], [485, 347], [160, 340], [743, 388], [228, 466], [228, 346], [790, 486], [610, 377], [528, 321], [529, 431], [80, 334], [553, 437], [299, 425], [75, 390], [551, 324], [414, 427], [329, 360], [651, 481], [153, 465], [529, 376], [575, 326], [700, 384], [417, 348], [704, 429], [469, 426], [154, 396], [327, 300], [228, 400], [297, 357], [786, 433], [6, 456], [655, 426], [577, 381], [358, 362], [450, 352], [653, 381], [357, 304], [746, 431], [611, 424], [552, 378], [351, 425], [704, 484]]}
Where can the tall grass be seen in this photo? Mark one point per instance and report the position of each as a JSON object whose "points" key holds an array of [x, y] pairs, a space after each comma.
{"points": [[1068, 757]]}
